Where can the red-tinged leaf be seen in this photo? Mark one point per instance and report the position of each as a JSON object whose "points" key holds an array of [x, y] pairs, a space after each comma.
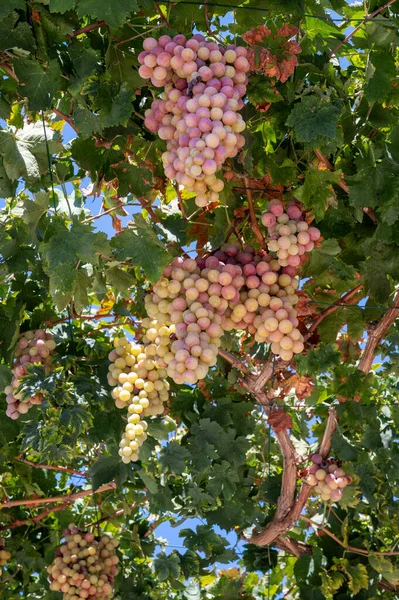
{"points": [[279, 420]]}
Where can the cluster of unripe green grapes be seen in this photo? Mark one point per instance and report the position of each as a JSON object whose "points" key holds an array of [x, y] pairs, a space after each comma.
{"points": [[85, 566], [327, 478], [4, 554], [34, 347], [197, 114], [289, 235]]}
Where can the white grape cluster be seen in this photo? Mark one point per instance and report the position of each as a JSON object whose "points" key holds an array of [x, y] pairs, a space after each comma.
{"points": [[327, 478], [289, 236], [85, 566], [139, 383], [34, 347], [266, 299], [135, 372], [197, 113]]}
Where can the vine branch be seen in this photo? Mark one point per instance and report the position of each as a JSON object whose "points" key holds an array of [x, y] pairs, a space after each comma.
{"points": [[356, 29], [65, 118], [377, 335], [50, 467], [87, 28], [67, 498], [254, 222], [346, 299]]}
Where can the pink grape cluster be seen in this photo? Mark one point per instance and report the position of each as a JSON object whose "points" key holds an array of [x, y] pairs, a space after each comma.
{"points": [[84, 566], [263, 301], [34, 347], [289, 236], [180, 298], [327, 478], [197, 114]]}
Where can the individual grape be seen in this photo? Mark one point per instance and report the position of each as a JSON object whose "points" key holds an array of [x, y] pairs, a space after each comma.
{"points": [[196, 114], [85, 566], [4, 554], [34, 347]]}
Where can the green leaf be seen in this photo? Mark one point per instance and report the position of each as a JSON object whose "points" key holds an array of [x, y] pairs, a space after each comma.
{"points": [[383, 68], [77, 418], [107, 469], [358, 577], [167, 567], [61, 6], [7, 6], [262, 91], [68, 245], [7, 188], [142, 246], [122, 67], [314, 118], [119, 279], [37, 84], [342, 447], [385, 567], [174, 457], [132, 179], [12, 36], [321, 258], [114, 12], [119, 110], [86, 122], [35, 209], [317, 190]]}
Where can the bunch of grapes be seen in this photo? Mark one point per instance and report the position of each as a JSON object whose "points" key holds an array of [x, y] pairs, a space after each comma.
{"points": [[327, 478], [34, 347], [197, 114], [185, 298], [266, 300], [289, 236], [135, 372], [133, 438], [84, 566], [4, 554]]}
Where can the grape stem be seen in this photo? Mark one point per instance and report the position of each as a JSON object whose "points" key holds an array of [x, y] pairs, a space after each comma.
{"points": [[68, 498], [254, 221]]}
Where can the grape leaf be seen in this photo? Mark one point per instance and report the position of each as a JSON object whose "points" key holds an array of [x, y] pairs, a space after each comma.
{"points": [[37, 84], [167, 567], [35, 209], [7, 6], [141, 245], [61, 6], [174, 457], [107, 469], [12, 36], [317, 189], [114, 12], [314, 118], [86, 121]]}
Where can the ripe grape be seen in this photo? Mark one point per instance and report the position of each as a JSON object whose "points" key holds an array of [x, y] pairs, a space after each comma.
{"points": [[4, 554], [85, 566], [34, 347], [197, 113]]}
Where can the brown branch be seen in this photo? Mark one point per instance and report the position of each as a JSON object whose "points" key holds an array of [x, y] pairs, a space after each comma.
{"points": [[233, 360], [50, 467], [254, 222], [39, 517], [87, 28], [68, 498], [180, 201], [164, 19], [66, 119], [377, 335], [9, 71], [106, 212], [289, 511], [346, 299], [295, 547], [356, 29], [346, 546]]}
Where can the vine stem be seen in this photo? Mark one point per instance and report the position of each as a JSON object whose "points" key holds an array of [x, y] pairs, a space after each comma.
{"points": [[117, 513], [50, 467], [362, 551], [356, 29], [88, 28], [289, 509], [67, 498], [254, 222], [9, 71], [66, 119], [346, 298], [377, 335]]}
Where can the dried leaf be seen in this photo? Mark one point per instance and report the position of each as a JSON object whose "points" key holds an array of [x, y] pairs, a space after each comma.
{"points": [[279, 420]]}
